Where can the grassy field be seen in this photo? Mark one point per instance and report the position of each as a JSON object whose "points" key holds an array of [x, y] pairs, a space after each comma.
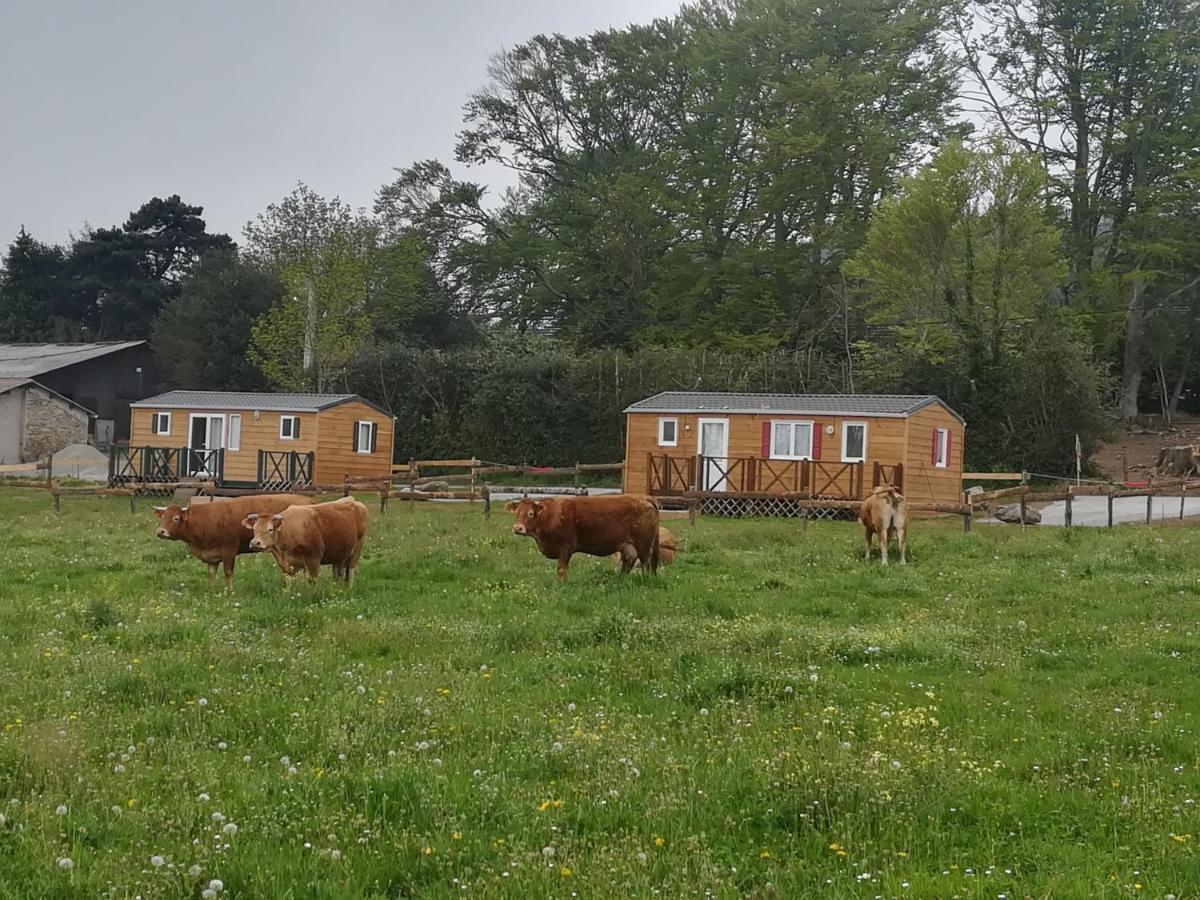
{"points": [[1011, 715]]}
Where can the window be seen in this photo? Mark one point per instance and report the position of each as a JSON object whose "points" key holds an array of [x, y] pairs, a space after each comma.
{"points": [[289, 428], [160, 423], [668, 432], [234, 441], [366, 435], [941, 448], [854, 442], [791, 440]]}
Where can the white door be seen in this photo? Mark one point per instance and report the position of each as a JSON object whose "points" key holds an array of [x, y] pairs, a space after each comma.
{"points": [[205, 433], [713, 446]]}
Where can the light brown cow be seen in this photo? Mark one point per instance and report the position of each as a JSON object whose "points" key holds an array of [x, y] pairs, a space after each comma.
{"points": [[214, 532], [309, 537], [667, 548], [885, 515], [598, 526]]}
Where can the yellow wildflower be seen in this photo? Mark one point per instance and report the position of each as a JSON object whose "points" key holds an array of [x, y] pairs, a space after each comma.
{"points": [[660, 842], [565, 871]]}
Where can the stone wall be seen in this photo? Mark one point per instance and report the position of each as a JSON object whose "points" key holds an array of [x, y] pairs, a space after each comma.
{"points": [[50, 424]]}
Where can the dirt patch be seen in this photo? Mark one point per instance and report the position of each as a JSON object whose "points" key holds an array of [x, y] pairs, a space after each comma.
{"points": [[1132, 455]]}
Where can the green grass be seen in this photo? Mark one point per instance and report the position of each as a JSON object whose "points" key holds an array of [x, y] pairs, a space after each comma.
{"points": [[1011, 714]]}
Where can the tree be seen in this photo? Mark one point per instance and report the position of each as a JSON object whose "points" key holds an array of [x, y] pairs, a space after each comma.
{"points": [[32, 285], [1106, 95], [698, 179], [320, 250], [959, 273], [202, 337], [121, 278]]}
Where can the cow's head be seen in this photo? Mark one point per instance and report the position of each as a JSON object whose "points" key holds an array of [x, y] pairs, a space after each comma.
{"points": [[528, 515], [172, 522], [265, 528]]}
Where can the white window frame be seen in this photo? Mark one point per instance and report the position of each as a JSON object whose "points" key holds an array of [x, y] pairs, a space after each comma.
{"points": [[233, 442], [662, 420], [942, 457], [846, 426], [157, 417], [364, 448], [288, 437], [792, 423]]}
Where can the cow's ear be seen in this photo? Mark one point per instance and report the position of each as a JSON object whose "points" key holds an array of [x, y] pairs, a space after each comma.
{"points": [[277, 519], [158, 511], [538, 505], [511, 505], [249, 521]]}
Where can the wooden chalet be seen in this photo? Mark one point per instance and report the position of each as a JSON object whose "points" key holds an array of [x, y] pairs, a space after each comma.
{"points": [[818, 446], [254, 439]]}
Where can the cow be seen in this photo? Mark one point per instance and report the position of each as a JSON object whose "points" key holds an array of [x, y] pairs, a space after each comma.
{"points": [[885, 515], [312, 536], [214, 532], [598, 526], [667, 548]]}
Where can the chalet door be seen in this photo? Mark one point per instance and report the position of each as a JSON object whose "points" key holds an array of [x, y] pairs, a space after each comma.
{"points": [[713, 447], [206, 433]]}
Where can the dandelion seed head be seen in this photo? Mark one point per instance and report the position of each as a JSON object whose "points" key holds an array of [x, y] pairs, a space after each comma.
{"points": [[66, 863], [157, 861]]}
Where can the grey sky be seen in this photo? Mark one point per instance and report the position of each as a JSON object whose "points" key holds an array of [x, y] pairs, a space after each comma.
{"points": [[230, 102]]}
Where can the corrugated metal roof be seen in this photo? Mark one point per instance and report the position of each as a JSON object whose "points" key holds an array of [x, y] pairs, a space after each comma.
{"points": [[883, 405], [31, 360], [8, 384], [248, 400]]}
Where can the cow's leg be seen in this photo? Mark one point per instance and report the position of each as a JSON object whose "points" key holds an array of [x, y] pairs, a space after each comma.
{"points": [[867, 532], [229, 561], [902, 533], [314, 569], [564, 562], [881, 534], [629, 557], [212, 573]]}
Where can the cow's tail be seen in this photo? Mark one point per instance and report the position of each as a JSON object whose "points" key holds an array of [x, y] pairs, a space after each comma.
{"points": [[654, 553]]}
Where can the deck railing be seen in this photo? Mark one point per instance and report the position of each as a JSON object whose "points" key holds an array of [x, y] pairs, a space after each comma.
{"points": [[140, 465], [668, 475]]}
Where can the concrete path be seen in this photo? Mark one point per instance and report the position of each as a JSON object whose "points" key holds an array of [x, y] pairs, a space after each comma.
{"points": [[1092, 512]]}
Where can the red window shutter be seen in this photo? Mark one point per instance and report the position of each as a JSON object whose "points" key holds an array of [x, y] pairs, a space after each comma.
{"points": [[816, 441], [933, 452], [766, 440]]}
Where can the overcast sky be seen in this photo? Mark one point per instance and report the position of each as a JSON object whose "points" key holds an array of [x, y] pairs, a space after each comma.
{"points": [[230, 102]]}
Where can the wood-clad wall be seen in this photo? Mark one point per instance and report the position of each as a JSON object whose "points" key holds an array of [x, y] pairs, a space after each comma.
{"points": [[889, 441], [328, 433], [336, 457], [922, 480]]}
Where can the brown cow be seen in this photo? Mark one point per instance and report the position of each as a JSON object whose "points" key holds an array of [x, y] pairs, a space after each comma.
{"points": [[667, 548], [312, 536], [598, 526], [885, 515], [214, 533]]}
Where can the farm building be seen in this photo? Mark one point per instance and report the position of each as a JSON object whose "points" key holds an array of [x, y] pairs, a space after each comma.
{"points": [[103, 377], [255, 439], [36, 421], [828, 446]]}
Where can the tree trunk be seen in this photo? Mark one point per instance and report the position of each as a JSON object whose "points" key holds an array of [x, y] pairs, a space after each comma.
{"points": [[310, 325], [1131, 365], [1173, 406]]}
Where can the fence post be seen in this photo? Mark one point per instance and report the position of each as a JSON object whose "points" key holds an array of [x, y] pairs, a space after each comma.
{"points": [[487, 502], [1149, 508], [383, 497], [1182, 498], [57, 508], [692, 505], [966, 513], [1110, 509], [1023, 501], [576, 473], [412, 485], [346, 485], [1068, 517], [50, 470], [132, 501]]}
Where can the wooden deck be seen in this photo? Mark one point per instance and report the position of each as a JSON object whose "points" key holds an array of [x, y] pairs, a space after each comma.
{"points": [[672, 476]]}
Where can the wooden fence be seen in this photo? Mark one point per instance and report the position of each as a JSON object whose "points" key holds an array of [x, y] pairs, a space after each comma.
{"points": [[1167, 487]]}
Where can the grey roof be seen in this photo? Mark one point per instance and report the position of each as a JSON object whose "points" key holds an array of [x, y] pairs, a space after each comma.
{"points": [[871, 405], [9, 384], [249, 400], [31, 360]]}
